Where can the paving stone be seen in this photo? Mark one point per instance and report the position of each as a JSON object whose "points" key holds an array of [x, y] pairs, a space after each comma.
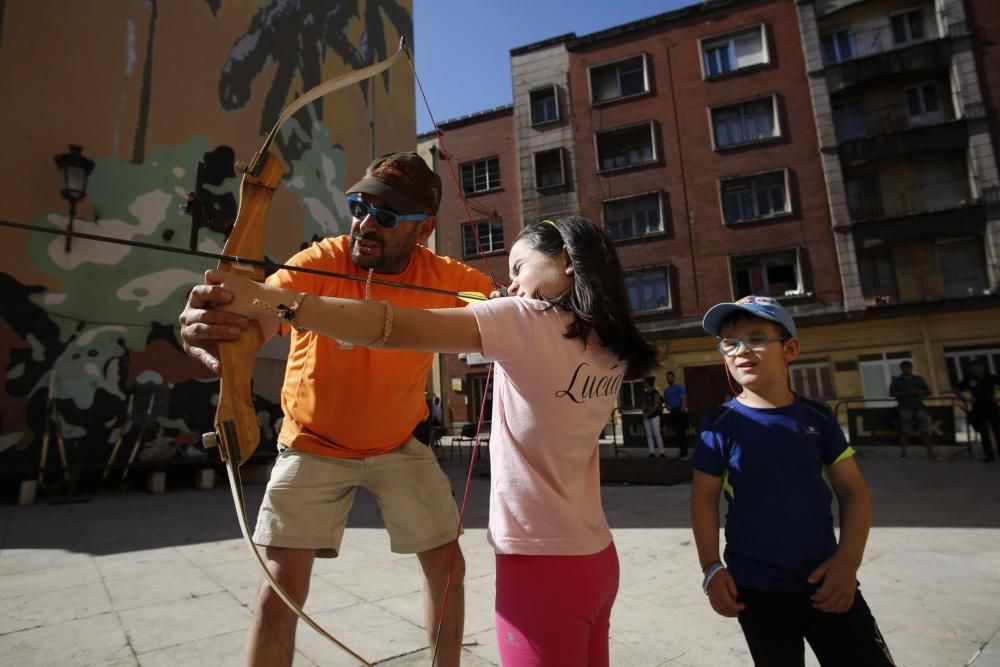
{"points": [[45, 580], [96, 640], [158, 587], [51, 607], [179, 621]]}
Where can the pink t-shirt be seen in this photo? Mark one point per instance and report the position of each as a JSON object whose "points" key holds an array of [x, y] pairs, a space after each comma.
{"points": [[551, 398]]}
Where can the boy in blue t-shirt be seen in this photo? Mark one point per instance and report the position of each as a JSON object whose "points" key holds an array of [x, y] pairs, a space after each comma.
{"points": [[785, 576]]}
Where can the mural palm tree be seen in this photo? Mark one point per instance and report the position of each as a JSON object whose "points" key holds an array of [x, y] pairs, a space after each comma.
{"points": [[295, 35]]}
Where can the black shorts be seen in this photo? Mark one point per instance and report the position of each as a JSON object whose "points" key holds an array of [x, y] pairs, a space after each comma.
{"points": [[776, 623]]}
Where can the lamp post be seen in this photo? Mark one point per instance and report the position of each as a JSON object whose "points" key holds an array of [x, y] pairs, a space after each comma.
{"points": [[74, 169]]}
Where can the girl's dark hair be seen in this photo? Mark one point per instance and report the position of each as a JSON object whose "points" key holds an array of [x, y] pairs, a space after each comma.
{"points": [[598, 299]]}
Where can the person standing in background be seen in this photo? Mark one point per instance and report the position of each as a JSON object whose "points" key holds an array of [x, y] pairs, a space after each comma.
{"points": [[652, 408], [909, 390], [676, 399], [984, 415]]}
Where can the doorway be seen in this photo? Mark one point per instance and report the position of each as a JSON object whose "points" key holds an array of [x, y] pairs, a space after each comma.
{"points": [[706, 387]]}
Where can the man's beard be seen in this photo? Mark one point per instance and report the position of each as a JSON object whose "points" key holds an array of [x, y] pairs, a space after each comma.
{"points": [[363, 260], [382, 261]]}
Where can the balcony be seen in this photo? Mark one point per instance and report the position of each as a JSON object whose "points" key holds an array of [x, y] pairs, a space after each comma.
{"points": [[941, 208], [921, 271], [897, 136], [867, 202], [853, 58]]}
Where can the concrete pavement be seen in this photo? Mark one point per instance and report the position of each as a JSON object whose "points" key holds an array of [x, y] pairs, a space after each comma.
{"points": [[139, 579]]}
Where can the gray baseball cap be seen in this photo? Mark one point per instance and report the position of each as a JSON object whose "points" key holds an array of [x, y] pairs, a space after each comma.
{"points": [[763, 307]]}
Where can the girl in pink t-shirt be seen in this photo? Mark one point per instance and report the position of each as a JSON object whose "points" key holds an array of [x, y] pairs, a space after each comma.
{"points": [[561, 351]]}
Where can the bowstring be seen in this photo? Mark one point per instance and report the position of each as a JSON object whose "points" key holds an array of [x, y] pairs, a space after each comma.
{"points": [[489, 373]]}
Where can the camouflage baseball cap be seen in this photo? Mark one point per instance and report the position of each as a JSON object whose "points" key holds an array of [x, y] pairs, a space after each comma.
{"points": [[404, 182]]}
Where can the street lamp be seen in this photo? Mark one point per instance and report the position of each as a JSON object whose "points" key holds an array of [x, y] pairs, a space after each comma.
{"points": [[74, 168]]}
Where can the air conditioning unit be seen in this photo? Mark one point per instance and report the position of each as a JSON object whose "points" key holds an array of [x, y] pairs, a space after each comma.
{"points": [[463, 357]]}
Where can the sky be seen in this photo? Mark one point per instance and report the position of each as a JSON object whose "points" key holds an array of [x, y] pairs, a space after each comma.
{"points": [[462, 47]]}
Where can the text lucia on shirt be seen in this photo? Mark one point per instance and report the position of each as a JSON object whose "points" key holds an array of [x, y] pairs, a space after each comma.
{"points": [[585, 387]]}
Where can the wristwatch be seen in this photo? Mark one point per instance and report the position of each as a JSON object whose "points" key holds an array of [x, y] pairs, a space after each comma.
{"points": [[287, 313]]}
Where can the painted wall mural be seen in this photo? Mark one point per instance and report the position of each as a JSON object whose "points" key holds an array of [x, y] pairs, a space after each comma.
{"points": [[162, 97]]}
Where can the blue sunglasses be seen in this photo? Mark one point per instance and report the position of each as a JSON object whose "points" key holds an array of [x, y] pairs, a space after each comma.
{"points": [[361, 209]]}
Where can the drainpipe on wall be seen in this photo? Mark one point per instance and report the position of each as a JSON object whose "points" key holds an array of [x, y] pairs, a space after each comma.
{"points": [[932, 371]]}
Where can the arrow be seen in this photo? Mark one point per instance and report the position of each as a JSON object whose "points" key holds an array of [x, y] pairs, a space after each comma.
{"points": [[468, 297]]}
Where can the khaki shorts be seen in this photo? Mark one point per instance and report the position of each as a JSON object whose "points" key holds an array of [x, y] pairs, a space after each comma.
{"points": [[309, 496]]}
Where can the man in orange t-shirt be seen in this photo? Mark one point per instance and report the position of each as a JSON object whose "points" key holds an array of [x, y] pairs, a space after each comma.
{"points": [[350, 411]]}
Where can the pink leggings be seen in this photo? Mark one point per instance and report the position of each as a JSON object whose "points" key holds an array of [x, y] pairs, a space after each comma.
{"points": [[555, 610]]}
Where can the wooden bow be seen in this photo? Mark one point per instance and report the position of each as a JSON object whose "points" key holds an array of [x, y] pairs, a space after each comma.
{"points": [[237, 432]]}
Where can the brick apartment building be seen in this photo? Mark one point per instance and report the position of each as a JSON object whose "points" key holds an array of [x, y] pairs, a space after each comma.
{"points": [[904, 119], [483, 159], [710, 142]]}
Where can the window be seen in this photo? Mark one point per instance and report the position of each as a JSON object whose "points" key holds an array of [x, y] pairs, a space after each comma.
{"points": [[625, 147], [745, 123], [648, 289], [623, 78], [908, 27], [773, 274], [864, 197], [549, 169], [923, 104], [630, 395], [812, 379], [633, 216], [963, 269], [838, 47], [734, 52], [481, 175], [959, 359], [478, 395], [849, 120], [490, 234], [754, 197], [878, 275], [544, 106]]}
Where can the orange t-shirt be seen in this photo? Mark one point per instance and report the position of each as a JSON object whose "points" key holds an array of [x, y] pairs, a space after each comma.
{"points": [[360, 402]]}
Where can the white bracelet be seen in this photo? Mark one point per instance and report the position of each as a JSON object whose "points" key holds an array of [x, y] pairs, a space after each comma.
{"points": [[713, 570]]}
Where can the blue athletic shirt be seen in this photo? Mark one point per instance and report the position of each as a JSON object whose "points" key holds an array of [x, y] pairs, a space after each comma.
{"points": [[673, 394], [779, 527]]}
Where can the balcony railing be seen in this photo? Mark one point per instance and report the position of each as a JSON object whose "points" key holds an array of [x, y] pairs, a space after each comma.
{"points": [[845, 45], [874, 204], [861, 124]]}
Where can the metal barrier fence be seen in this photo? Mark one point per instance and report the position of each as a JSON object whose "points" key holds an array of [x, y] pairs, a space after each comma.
{"points": [[875, 422], [869, 422]]}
